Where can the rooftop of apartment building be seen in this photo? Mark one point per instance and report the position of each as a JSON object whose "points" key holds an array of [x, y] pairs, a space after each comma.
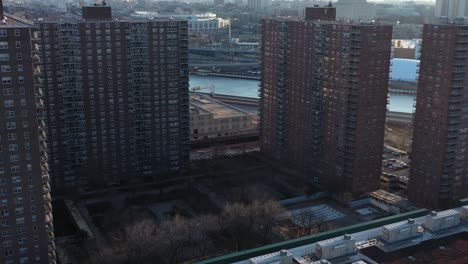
{"points": [[204, 104], [10, 21], [418, 236], [451, 249]]}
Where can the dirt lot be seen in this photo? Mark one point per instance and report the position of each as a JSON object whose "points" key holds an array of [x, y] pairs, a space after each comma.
{"points": [[399, 135]]}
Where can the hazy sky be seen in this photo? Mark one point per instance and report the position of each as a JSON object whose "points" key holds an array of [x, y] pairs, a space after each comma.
{"points": [[392, 1]]}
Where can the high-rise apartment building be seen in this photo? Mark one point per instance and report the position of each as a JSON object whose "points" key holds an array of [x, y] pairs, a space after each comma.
{"points": [[258, 6], [439, 158], [324, 91], [25, 204], [451, 9], [116, 98]]}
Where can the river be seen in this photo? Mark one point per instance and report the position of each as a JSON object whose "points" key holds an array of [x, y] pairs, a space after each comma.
{"points": [[249, 88]]}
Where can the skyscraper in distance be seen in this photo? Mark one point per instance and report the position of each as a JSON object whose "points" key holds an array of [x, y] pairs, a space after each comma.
{"points": [[439, 160], [26, 222], [324, 87], [116, 98]]}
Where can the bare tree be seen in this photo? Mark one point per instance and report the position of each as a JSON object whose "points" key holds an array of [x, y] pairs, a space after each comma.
{"points": [[203, 228], [137, 240], [172, 238], [266, 218]]}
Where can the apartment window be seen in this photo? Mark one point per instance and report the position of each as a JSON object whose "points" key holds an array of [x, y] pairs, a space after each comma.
{"points": [[6, 68], [3, 33], [6, 233], [4, 202], [17, 32], [17, 179], [5, 223], [23, 102], [20, 220], [22, 240], [25, 124], [34, 228], [3, 45], [23, 250], [14, 158], [8, 103], [12, 136], [4, 213], [26, 135], [15, 169], [18, 44], [4, 57], [6, 80], [20, 230], [7, 91], [11, 125], [18, 200], [32, 198], [7, 243], [21, 79], [19, 56], [24, 113], [10, 114], [20, 68], [27, 145], [8, 253], [13, 147], [3, 192], [19, 210], [17, 189], [2, 181]]}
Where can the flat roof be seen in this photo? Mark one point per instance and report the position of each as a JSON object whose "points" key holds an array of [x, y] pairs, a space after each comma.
{"points": [[15, 22], [206, 104], [452, 249]]}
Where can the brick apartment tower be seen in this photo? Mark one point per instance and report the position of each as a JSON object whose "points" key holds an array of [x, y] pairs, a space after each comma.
{"points": [[116, 98], [439, 159], [25, 204], [324, 91]]}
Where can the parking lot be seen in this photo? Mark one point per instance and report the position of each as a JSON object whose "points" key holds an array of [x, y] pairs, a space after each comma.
{"points": [[395, 162]]}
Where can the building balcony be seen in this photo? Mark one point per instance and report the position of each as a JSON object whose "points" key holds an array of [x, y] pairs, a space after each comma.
{"points": [[39, 92], [45, 175], [39, 103], [47, 197], [450, 150], [46, 187], [51, 247], [49, 218], [51, 237], [52, 256], [48, 208], [452, 136]]}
